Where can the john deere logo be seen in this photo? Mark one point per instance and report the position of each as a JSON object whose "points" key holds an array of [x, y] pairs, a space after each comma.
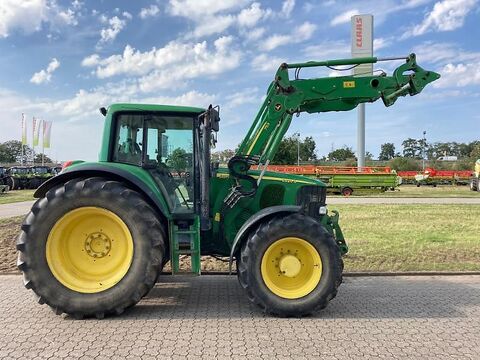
{"points": [[349, 84], [278, 107]]}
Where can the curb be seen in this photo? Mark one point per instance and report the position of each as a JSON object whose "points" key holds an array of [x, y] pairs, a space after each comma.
{"points": [[346, 274]]}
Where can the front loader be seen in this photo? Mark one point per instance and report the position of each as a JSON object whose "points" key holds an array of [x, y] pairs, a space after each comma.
{"points": [[100, 232]]}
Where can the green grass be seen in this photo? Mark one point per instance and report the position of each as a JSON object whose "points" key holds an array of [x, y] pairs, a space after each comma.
{"points": [[16, 196], [411, 237], [429, 191]]}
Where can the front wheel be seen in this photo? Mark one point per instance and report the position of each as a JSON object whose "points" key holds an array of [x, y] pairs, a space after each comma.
{"points": [[91, 247], [290, 266]]}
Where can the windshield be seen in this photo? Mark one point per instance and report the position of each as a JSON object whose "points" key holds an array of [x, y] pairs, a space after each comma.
{"points": [[164, 147]]}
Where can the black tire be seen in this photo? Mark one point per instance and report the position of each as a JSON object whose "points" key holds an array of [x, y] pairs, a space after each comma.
{"points": [[10, 181], [347, 191], [250, 258], [148, 247], [474, 185]]}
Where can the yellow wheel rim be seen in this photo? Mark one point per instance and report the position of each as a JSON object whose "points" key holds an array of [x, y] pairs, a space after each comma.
{"points": [[89, 249], [291, 268]]}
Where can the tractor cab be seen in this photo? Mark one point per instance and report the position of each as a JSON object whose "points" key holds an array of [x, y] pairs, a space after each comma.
{"points": [[172, 144]]}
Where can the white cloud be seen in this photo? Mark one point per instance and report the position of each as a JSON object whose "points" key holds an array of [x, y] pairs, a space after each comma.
{"points": [[249, 17], [199, 61], [343, 17], [328, 50], [254, 34], [442, 53], [28, 16], [287, 8], [91, 60], [220, 14], [169, 66], [446, 15], [380, 43], [116, 25], [299, 34], [44, 76], [127, 15], [151, 11], [459, 75], [215, 25], [247, 96], [265, 62], [197, 9]]}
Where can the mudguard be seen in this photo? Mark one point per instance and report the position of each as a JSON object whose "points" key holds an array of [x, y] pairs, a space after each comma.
{"points": [[254, 220], [106, 172]]}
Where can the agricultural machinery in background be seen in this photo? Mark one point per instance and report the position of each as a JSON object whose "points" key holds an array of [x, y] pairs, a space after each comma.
{"points": [[346, 180], [101, 232], [3, 180], [475, 180], [26, 177], [434, 177]]}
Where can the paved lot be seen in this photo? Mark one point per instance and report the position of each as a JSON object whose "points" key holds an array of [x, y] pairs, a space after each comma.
{"points": [[15, 209], [210, 317]]}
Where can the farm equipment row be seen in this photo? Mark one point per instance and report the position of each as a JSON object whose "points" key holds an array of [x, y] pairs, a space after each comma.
{"points": [[345, 179], [25, 177], [435, 177]]}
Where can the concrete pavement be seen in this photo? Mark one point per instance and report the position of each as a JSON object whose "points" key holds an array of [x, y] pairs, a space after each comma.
{"points": [[15, 209], [428, 317]]}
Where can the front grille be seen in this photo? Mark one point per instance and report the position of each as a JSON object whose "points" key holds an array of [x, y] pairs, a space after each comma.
{"points": [[310, 198]]}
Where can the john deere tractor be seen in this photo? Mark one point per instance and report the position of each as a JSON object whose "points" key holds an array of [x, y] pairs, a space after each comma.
{"points": [[100, 232]]}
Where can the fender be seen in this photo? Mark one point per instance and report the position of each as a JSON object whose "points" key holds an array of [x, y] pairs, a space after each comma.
{"points": [[254, 220], [107, 172]]}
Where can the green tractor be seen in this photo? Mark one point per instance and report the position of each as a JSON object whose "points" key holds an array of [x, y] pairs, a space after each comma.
{"points": [[19, 177], [3, 180], [40, 174], [100, 232]]}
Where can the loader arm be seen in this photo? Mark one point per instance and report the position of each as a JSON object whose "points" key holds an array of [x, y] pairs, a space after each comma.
{"points": [[286, 97]]}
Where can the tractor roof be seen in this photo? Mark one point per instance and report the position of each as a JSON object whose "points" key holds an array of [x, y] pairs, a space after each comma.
{"points": [[150, 107]]}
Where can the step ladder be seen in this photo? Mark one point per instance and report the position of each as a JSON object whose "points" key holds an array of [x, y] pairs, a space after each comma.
{"points": [[185, 240]]}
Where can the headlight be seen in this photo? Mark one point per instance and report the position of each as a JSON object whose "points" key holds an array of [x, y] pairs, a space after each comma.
{"points": [[322, 210]]}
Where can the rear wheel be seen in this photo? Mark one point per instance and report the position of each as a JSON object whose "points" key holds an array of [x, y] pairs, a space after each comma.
{"points": [[91, 247], [290, 266]]}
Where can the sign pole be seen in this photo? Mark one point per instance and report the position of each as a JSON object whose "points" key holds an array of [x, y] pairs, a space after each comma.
{"points": [[362, 46]]}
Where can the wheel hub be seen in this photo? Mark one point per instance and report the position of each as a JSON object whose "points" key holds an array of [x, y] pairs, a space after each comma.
{"points": [[289, 265], [97, 245]]}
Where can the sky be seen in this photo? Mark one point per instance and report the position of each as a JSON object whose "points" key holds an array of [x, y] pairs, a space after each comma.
{"points": [[62, 60]]}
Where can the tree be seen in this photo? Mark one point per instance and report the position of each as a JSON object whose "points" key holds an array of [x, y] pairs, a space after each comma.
{"points": [[286, 152], [223, 156], [178, 160], [475, 153], [307, 149], [38, 159], [11, 152], [341, 154], [404, 164], [387, 151], [413, 148]]}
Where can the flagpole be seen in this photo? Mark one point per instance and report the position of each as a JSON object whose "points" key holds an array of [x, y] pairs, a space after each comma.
{"points": [[33, 139], [23, 120], [43, 142]]}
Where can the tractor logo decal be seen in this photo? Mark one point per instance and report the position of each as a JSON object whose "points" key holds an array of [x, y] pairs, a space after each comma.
{"points": [[278, 107], [349, 84]]}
